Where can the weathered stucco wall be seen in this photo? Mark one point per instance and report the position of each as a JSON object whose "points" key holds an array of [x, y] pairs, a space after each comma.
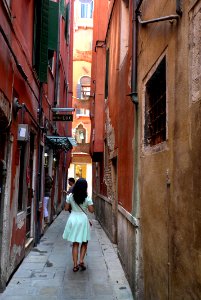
{"points": [[170, 174]]}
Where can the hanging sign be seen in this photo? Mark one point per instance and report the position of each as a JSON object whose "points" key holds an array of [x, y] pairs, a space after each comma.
{"points": [[62, 117]]}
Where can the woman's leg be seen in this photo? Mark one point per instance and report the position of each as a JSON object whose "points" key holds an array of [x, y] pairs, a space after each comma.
{"points": [[83, 251], [75, 253]]}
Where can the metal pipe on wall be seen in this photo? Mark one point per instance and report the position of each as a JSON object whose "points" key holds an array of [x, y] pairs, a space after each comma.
{"points": [[166, 18], [37, 224]]}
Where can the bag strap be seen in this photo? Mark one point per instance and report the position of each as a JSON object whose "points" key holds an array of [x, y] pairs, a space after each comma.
{"points": [[85, 214]]}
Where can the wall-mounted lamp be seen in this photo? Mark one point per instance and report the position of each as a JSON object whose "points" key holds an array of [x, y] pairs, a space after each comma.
{"points": [[16, 105], [46, 159]]}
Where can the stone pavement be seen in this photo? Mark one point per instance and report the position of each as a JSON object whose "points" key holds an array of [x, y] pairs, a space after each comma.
{"points": [[46, 273]]}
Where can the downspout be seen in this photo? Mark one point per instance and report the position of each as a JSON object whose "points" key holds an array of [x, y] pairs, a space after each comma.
{"points": [[38, 195], [57, 61], [55, 104], [134, 98], [138, 284]]}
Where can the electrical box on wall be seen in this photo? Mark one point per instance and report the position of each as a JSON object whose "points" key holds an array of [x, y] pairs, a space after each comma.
{"points": [[23, 132]]}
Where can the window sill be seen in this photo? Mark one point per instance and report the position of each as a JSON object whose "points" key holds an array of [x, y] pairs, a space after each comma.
{"points": [[147, 150]]}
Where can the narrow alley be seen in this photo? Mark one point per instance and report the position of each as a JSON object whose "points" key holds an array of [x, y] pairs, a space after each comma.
{"points": [[46, 272]]}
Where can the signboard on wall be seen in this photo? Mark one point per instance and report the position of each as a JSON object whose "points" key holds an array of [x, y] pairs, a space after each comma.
{"points": [[62, 117]]}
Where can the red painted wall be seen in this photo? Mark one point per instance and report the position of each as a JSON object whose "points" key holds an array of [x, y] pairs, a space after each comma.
{"points": [[16, 40]]}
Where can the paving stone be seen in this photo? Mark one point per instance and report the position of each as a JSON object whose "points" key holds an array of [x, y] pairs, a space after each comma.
{"points": [[46, 273]]}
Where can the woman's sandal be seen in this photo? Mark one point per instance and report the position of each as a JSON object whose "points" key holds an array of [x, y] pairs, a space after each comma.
{"points": [[75, 269], [82, 266]]}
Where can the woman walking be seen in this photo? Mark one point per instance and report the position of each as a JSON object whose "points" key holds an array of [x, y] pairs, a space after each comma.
{"points": [[77, 229]]}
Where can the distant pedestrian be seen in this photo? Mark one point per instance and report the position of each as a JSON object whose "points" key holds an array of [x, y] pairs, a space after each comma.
{"points": [[77, 229], [48, 187], [71, 182]]}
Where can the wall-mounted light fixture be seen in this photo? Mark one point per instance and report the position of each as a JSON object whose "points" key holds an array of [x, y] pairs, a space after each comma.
{"points": [[16, 105]]}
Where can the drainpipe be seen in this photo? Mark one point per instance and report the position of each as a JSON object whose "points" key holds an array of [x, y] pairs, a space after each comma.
{"points": [[134, 97], [38, 195], [57, 62], [136, 201]]}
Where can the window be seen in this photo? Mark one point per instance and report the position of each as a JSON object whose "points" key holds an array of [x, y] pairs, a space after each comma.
{"points": [[107, 72], [86, 9], [45, 35], [80, 134], [155, 106], [84, 88], [22, 176], [51, 60], [124, 32], [67, 23], [82, 112]]}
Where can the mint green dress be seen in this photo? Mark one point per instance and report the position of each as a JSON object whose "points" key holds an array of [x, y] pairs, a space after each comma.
{"points": [[77, 227]]}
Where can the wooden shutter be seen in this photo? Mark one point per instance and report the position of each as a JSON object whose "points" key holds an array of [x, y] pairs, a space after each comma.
{"points": [[67, 22], [40, 59], [53, 25]]}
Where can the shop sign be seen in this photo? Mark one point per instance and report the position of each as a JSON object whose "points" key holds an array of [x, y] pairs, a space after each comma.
{"points": [[62, 117]]}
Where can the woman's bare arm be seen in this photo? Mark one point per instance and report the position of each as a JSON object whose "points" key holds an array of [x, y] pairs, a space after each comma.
{"points": [[91, 208], [67, 206]]}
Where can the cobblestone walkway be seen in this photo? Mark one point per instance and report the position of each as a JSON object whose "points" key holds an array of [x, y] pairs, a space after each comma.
{"points": [[46, 273]]}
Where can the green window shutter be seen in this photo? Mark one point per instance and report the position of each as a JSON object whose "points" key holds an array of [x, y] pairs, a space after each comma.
{"points": [[53, 25], [62, 8], [67, 23], [40, 59]]}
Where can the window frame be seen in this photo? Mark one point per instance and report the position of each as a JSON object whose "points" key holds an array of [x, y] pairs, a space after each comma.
{"points": [[87, 9], [161, 146]]}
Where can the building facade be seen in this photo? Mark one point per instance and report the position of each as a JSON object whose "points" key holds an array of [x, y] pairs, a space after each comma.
{"points": [[81, 165], [35, 76], [146, 174]]}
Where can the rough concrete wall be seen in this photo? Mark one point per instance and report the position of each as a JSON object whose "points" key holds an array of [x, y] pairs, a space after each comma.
{"points": [[127, 248], [103, 211], [170, 175], [186, 209], [156, 162]]}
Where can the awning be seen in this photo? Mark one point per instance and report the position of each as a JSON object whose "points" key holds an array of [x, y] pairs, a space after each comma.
{"points": [[61, 142]]}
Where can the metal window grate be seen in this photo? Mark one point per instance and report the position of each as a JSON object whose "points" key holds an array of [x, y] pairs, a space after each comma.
{"points": [[155, 107]]}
